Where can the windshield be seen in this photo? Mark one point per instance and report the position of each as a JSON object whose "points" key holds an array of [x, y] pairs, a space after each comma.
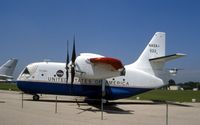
{"points": [[28, 72]]}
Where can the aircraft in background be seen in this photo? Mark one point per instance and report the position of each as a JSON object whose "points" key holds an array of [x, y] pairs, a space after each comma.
{"points": [[97, 76], [7, 69], [174, 71]]}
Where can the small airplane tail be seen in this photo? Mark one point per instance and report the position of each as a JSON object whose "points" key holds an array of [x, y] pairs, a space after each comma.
{"points": [[153, 58], [7, 68]]}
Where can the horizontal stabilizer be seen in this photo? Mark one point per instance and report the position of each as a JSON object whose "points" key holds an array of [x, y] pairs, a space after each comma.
{"points": [[5, 77], [167, 58]]}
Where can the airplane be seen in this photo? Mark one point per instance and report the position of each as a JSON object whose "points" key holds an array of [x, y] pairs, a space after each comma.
{"points": [[96, 76], [7, 69], [174, 71]]}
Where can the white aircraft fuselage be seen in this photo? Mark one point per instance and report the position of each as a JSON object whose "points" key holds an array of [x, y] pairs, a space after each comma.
{"points": [[49, 78], [145, 74]]}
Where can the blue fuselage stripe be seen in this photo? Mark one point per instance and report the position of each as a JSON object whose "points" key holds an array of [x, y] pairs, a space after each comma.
{"points": [[91, 91]]}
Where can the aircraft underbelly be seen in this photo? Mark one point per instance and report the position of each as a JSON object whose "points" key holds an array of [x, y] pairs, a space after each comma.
{"points": [[91, 91]]}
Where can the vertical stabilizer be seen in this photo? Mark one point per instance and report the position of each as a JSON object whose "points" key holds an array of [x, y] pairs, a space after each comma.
{"points": [[154, 49], [7, 68]]}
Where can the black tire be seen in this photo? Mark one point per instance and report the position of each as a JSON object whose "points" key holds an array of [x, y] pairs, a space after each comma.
{"points": [[36, 97]]}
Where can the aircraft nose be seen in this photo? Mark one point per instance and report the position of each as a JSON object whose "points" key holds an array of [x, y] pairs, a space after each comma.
{"points": [[28, 72]]}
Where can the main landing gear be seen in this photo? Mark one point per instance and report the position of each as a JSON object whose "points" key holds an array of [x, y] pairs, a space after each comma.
{"points": [[36, 97]]}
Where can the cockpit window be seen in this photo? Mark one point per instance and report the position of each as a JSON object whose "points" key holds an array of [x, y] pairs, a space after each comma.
{"points": [[26, 71], [25, 74]]}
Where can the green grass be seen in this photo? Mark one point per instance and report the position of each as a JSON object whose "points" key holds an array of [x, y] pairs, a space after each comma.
{"points": [[170, 95], [8, 86]]}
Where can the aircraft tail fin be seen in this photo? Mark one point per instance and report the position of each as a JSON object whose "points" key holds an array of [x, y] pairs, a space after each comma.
{"points": [[153, 57], [7, 68]]}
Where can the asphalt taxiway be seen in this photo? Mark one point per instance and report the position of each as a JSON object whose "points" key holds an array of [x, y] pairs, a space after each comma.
{"points": [[119, 112]]}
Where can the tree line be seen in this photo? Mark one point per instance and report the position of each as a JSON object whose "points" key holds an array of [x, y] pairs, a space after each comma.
{"points": [[189, 85]]}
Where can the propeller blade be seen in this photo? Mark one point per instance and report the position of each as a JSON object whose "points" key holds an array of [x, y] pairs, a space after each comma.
{"points": [[67, 62], [73, 62], [73, 52], [67, 53], [72, 75]]}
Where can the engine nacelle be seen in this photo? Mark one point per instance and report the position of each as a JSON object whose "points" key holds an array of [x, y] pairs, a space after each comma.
{"points": [[93, 66]]}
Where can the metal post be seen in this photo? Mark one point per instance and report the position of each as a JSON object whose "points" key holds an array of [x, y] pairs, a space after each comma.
{"points": [[102, 109], [166, 113], [56, 109], [166, 108], [102, 99], [22, 100]]}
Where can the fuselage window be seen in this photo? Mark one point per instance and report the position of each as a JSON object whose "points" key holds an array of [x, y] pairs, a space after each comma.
{"points": [[42, 74]]}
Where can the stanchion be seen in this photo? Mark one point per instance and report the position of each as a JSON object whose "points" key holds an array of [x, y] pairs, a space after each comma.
{"points": [[101, 109], [166, 112], [56, 109], [166, 108], [102, 98], [22, 100]]}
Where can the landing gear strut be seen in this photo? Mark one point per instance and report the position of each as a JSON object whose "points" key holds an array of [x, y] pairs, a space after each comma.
{"points": [[36, 97]]}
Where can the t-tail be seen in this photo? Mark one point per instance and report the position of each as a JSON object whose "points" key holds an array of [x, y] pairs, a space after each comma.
{"points": [[153, 58]]}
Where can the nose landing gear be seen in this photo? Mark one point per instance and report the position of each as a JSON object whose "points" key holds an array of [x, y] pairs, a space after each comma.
{"points": [[36, 97]]}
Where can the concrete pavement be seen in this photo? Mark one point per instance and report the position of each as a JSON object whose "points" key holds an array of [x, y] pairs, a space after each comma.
{"points": [[68, 113]]}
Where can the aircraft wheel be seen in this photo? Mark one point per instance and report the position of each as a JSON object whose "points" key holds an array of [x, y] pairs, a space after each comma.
{"points": [[36, 97]]}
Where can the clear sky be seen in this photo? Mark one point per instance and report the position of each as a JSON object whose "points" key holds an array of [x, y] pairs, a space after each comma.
{"points": [[34, 30]]}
